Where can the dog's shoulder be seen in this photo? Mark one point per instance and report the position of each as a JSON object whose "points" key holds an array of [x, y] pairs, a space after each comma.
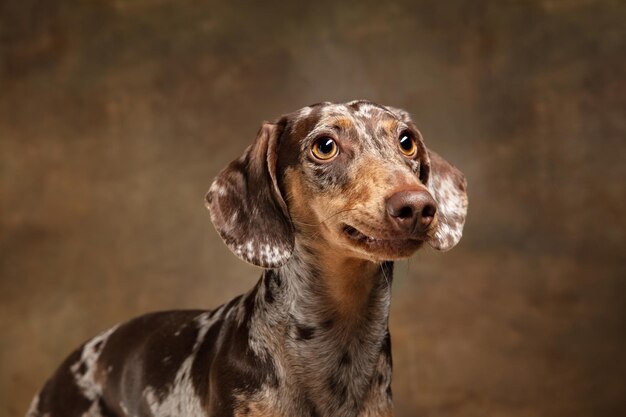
{"points": [[138, 359]]}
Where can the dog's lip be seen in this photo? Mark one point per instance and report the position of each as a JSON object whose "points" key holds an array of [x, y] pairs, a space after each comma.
{"points": [[356, 235]]}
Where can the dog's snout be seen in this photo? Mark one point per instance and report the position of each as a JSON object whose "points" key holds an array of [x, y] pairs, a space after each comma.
{"points": [[411, 211]]}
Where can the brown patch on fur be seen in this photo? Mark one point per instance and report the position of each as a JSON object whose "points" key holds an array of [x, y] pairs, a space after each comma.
{"points": [[349, 282], [374, 181], [343, 123], [388, 126], [298, 198], [253, 409]]}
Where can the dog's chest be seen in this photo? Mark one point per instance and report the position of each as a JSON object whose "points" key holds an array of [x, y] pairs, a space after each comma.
{"points": [[277, 403], [340, 383]]}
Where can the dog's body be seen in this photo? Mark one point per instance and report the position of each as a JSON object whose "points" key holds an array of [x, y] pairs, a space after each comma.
{"points": [[324, 199]]}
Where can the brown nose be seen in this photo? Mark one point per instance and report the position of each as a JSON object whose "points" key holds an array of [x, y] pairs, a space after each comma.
{"points": [[411, 211]]}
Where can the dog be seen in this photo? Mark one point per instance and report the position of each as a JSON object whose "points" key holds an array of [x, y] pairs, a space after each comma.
{"points": [[325, 199]]}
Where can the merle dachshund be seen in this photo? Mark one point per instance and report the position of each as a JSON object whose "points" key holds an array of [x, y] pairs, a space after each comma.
{"points": [[324, 200]]}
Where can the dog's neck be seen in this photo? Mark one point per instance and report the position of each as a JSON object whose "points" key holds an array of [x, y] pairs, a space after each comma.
{"points": [[330, 314]]}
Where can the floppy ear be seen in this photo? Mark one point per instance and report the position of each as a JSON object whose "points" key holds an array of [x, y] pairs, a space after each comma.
{"points": [[449, 188], [247, 208]]}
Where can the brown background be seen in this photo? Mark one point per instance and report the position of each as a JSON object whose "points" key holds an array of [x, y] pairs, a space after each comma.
{"points": [[115, 115]]}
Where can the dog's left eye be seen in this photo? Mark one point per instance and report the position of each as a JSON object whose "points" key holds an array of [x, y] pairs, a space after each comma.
{"points": [[407, 144], [324, 148]]}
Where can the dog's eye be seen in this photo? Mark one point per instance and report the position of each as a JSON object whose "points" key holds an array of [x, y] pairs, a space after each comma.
{"points": [[407, 144], [324, 148]]}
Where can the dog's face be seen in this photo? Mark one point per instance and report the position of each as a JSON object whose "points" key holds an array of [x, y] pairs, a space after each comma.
{"points": [[355, 178]]}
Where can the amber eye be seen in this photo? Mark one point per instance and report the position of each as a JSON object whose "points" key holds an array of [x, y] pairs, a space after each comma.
{"points": [[407, 144], [324, 148]]}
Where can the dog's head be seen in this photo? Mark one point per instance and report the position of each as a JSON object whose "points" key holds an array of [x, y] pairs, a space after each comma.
{"points": [[355, 178]]}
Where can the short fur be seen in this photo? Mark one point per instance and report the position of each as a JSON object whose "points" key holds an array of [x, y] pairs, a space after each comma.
{"points": [[311, 337]]}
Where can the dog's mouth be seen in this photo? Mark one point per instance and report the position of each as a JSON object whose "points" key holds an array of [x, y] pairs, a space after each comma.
{"points": [[393, 247]]}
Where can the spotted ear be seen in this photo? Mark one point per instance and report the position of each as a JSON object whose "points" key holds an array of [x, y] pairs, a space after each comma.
{"points": [[247, 208], [449, 188]]}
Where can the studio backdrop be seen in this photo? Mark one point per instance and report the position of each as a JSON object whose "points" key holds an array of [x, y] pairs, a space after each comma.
{"points": [[116, 115]]}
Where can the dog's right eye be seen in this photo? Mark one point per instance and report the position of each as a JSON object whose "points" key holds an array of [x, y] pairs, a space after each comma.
{"points": [[324, 148], [407, 144]]}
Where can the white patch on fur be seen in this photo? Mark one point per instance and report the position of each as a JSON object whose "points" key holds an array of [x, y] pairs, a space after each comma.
{"points": [[32, 410], [365, 110], [266, 252], [272, 254], [218, 189], [304, 113], [182, 399], [89, 385], [234, 219], [451, 207], [124, 409]]}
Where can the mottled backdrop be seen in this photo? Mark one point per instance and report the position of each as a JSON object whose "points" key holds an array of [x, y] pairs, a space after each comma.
{"points": [[115, 115]]}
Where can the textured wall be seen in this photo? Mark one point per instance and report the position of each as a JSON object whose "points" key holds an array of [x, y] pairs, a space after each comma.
{"points": [[115, 115]]}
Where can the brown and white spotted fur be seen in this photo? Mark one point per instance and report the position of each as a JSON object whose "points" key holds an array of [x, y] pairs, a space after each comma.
{"points": [[311, 338]]}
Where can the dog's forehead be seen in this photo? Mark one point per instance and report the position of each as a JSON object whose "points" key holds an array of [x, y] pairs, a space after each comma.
{"points": [[360, 114]]}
